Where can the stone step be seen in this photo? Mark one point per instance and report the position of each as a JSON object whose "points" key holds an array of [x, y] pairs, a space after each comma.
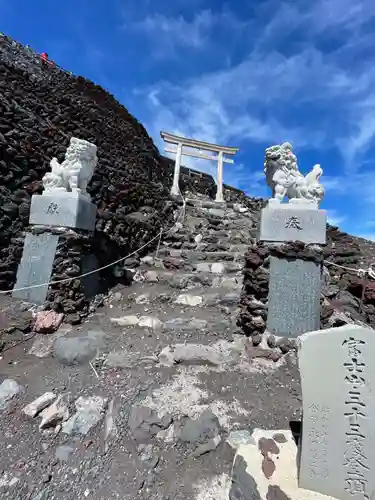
{"points": [[215, 213], [237, 207], [197, 256], [180, 280], [222, 243], [206, 266], [228, 299], [237, 223], [196, 202], [218, 267], [225, 233], [154, 293], [184, 321]]}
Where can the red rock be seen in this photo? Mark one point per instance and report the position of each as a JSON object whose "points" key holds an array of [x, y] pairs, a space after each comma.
{"points": [[47, 321], [268, 467]]}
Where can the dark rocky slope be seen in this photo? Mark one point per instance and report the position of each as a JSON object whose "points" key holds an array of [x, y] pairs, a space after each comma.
{"points": [[42, 107]]}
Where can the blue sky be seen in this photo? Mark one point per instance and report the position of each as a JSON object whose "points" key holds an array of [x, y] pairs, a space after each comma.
{"points": [[243, 73]]}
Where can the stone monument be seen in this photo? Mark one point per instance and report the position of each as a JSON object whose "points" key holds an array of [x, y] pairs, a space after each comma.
{"points": [[338, 435], [295, 277], [64, 207]]}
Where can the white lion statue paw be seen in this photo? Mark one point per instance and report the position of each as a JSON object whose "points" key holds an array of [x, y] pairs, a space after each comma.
{"points": [[75, 172]]}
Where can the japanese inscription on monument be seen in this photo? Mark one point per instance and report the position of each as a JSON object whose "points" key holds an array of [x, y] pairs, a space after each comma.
{"points": [[52, 208], [318, 434], [338, 433], [355, 460], [293, 222]]}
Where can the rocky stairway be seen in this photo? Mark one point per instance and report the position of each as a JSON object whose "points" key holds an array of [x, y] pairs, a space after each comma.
{"points": [[154, 392], [194, 279]]}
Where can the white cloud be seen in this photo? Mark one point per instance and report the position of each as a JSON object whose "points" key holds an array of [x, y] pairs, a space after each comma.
{"points": [[169, 34], [330, 93], [177, 30], [334, 218], [344, 14], [244, 101]]}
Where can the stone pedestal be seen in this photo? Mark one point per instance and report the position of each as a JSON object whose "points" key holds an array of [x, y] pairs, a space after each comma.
{"points": [[295, 279], [282, 222], [293, 297], [55, 220], [63, 210], [36, 266]]}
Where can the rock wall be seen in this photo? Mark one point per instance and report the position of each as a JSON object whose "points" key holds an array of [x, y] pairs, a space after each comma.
{"points": [[41, 108]]}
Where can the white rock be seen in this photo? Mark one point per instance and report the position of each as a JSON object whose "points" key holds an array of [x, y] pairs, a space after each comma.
{"points": [[110, 428], [150, 322], [149, 260], [6, 481], [89, 412], [8, 389], [54, 414], [203, 267], [39, 404], [237, 207], [228, 283], [190, 353], [151, 277], [126, 320], [13, 482], [198, 239], [189, 300], [339, 316], [217, 268], [142, 299]]}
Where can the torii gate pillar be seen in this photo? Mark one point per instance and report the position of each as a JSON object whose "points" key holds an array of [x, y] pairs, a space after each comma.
{"points": [[219, 193], [175, 191]]}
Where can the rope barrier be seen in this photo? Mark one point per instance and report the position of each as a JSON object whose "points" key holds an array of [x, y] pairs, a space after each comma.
{"points": [[66, 280], [360, 272]]}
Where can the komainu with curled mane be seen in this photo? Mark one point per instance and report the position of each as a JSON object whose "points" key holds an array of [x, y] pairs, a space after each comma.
{"points": [[285, 180], [75, 172]]}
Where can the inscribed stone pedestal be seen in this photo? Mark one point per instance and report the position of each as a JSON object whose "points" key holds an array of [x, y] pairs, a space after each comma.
{"points": [[36, 266], [289, 222], [338, 393], [63, 210], [293, 297]]}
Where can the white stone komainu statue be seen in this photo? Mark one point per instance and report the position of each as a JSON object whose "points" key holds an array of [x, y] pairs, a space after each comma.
{"points": [[285, 180], [75, 172]]}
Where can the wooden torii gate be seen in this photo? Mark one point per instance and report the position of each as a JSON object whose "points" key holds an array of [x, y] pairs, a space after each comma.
{"points": [[181, 142]]}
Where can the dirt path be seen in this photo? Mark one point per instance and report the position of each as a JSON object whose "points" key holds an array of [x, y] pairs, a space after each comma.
{"points": [[151, 389]]}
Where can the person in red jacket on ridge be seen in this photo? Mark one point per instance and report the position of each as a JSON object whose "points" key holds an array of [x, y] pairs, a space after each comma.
{"points": [[44, 57], [45, 60]]}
